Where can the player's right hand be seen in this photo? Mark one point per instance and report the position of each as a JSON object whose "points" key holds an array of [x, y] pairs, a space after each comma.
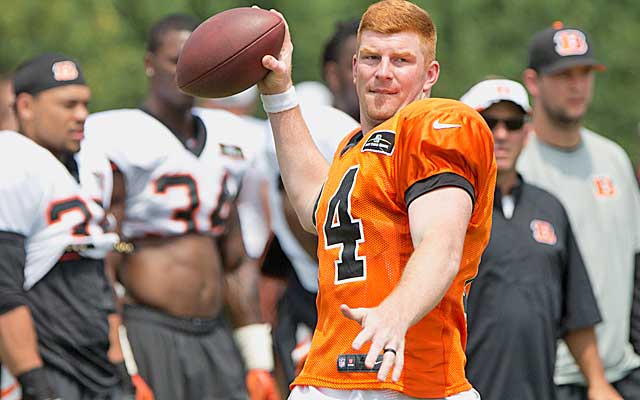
{"points": [[386, 332], [34, 385], [278, 80]]}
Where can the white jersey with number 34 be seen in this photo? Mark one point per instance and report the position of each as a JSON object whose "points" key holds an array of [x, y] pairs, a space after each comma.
{"points": [[170, 190]]}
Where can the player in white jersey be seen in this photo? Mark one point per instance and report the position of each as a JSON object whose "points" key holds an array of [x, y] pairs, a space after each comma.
{"points": [[594, 180], [180, 181], [55, 297]]}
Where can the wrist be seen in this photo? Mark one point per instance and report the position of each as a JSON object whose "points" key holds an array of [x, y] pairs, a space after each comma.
{"points": [[34, 385], [275, 103], [255, 345]]}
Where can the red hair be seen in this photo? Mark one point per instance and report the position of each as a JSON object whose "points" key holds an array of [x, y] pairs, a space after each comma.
{"points": [[394, 16]]}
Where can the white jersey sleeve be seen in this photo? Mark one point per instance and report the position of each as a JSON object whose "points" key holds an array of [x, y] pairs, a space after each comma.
{"points": [[41, 200], [240, 140], [96, 176], [328, 126]]}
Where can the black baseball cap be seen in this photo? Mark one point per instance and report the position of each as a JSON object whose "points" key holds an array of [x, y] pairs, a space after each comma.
{"points": [[46, 71], [557, 48]]}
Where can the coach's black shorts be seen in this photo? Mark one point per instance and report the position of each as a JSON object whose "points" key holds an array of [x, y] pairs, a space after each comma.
{"points": [[185, 358]]}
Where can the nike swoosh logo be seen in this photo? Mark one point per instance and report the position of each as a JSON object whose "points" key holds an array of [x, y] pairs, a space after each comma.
{"points": [[377, 362], [441, 125]]}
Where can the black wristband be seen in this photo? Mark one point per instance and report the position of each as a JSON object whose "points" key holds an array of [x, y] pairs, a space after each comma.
{"points": [[125, 379], [35, 386]]}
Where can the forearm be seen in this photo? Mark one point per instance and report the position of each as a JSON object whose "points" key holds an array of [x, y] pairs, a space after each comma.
{"points": [[425, 280], [242, 294], [302, 166], [115, 350], [583, 346], [18, 341]]}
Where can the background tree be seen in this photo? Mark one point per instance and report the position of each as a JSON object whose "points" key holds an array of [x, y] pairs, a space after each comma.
{"points": [[476, 38]]}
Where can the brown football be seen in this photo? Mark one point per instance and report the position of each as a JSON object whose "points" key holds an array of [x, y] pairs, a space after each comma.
{"points": [[223, 55]]}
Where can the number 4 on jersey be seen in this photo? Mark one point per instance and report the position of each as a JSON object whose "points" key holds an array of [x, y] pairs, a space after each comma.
{"points": [[343, 231]]}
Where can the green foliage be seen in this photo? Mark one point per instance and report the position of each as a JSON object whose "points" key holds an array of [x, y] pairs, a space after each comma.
{"points": [[475, 38]]}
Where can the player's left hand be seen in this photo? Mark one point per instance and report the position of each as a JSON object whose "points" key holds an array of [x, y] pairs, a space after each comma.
{"points": [[386, 332], [261, 385], [603, 391]]}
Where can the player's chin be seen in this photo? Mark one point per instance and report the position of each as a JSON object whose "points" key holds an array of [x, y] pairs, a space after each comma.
{"points": [[73, 146]]}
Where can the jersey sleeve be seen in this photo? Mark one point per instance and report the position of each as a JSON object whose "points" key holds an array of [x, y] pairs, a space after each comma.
{"points": [[20, 200], [444, 149], [580, 308]]}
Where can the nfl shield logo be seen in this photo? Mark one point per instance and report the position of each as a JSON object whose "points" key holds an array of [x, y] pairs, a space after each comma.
{"points": [[341, 362]]}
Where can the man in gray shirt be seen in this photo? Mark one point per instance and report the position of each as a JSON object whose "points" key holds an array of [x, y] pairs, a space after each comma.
{"points": [[593, 178]]}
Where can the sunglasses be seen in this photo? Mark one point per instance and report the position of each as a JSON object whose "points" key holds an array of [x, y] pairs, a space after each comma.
{"points": [[512, 124]]}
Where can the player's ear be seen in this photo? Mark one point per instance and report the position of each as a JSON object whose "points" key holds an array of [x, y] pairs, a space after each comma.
{"points": [[353, 67], [530, 79], [148, 64], [24, 107], [433, 72]]}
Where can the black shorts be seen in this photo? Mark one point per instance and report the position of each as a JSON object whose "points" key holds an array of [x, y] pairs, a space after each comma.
{"points": [[185, 358]]}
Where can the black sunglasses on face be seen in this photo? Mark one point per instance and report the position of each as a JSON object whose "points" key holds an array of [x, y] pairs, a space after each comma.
{"points": [[512, 124]]}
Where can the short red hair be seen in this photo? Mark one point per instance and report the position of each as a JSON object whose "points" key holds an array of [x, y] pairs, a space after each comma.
{"points": [[394, 16]]}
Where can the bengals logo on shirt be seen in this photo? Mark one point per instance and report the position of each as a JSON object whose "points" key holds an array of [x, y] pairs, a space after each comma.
{"points": [[543, 232], [603, 186], [570, 42]]}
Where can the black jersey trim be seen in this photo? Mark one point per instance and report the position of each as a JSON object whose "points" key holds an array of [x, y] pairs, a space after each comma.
{"points": [[315, 206], [355, 139], [438, 181]]}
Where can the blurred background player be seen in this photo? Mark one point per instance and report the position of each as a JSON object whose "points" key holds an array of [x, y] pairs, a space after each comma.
{"points": [[593, 178], [292, 252], [252, 200], [422, 169], [56, 298], [7, 99], [180, 178], [532, 286], [337, 66]]}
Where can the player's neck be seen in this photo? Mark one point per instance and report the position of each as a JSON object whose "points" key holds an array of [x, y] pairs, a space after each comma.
{"points": [[555, 133], [178, 120], [506, 181]]}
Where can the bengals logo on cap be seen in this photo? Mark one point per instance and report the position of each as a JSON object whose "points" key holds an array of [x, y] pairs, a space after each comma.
{"points": [[603, 186], [543, 232], [570, 42], [65, 71]]}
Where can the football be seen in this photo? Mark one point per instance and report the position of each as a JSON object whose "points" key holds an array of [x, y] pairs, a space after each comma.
{"points": [[223, 55]]}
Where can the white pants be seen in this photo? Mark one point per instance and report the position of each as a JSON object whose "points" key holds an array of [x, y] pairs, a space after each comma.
{"points": [[9, 389], [317, 393]]}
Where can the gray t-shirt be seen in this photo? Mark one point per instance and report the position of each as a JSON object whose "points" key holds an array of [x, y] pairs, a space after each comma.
{"points": [[595, 183]]}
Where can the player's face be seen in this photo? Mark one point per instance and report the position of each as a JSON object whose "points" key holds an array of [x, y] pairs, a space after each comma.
{"points": [[57, 118], [390, 71], [508, 125], [565, 96], [161, 69]]}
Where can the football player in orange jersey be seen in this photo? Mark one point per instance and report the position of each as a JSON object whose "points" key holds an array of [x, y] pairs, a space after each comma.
{"points": [[402, 216]]}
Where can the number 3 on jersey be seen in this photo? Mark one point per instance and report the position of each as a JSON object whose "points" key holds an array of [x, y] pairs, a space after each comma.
{"points": [[343, 231]]}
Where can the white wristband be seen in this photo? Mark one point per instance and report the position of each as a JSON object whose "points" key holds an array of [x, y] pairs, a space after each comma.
{"points": [[275, 103], [254, 343]]}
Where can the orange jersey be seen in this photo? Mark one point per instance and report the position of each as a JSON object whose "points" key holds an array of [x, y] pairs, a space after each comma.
{"points": [[364, 242]]}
